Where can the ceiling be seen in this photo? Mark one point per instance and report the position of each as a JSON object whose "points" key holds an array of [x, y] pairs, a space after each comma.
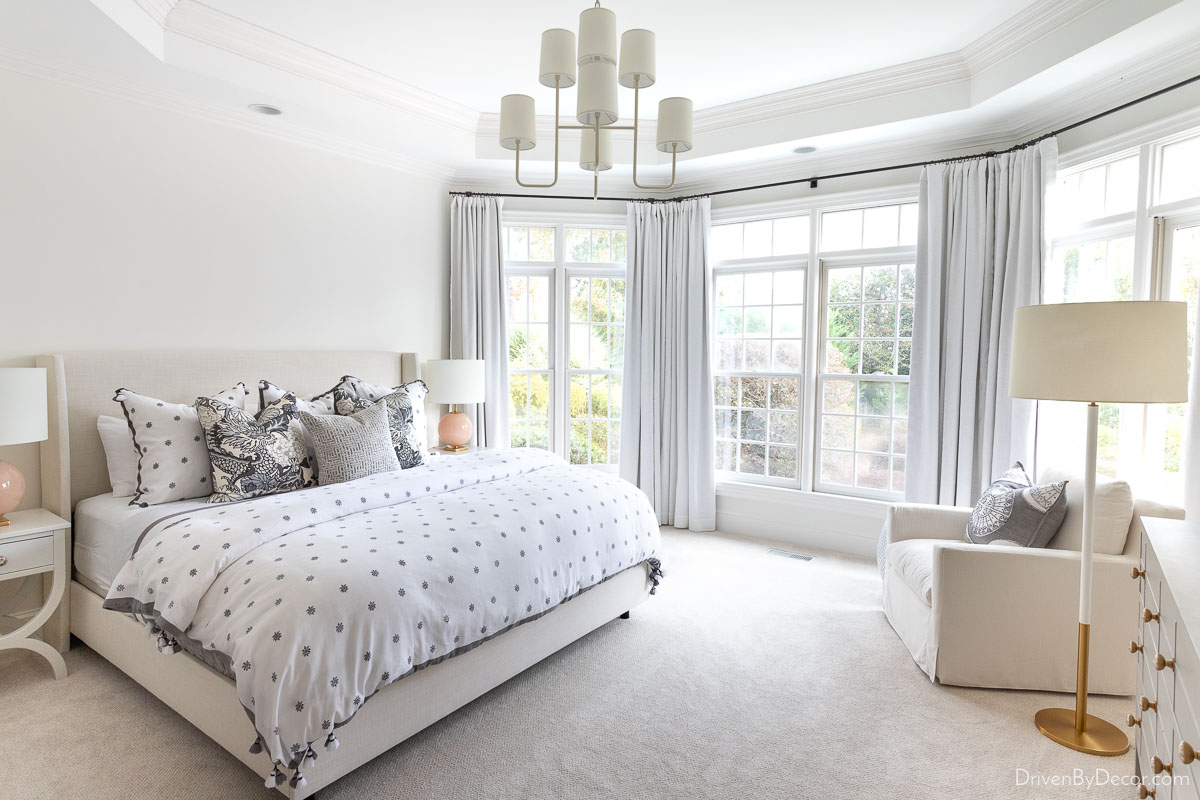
{"points": [[416, 86]]}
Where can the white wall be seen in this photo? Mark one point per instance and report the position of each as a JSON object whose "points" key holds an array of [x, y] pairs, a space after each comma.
{"points": [[123, 226]]}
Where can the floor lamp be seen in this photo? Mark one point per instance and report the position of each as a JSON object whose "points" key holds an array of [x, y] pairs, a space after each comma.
{"points": [[1123, 352]]}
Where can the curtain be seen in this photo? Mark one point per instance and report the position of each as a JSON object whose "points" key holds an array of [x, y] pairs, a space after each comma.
{"points": [[980, 251], [477, 316], [667, 436], [1191, 439]]}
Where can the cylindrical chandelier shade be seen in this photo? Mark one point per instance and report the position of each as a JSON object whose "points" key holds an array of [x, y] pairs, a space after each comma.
{"points": [[675, 125], [637, 59], [597, 36], [596, 100], [589, 159], [558, 59], [518, 124]]}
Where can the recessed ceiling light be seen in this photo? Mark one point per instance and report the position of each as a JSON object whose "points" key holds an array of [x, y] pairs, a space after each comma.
{"points": [[803, 150], [263, 108]]}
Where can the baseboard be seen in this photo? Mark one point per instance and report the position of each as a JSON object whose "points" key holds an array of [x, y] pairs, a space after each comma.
{"points": [[847, 525]]}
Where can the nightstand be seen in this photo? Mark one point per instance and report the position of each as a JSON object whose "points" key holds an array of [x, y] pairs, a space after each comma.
{"points": [[35, 543]]}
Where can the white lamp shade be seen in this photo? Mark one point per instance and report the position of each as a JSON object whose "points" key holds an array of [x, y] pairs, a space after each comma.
{"points": [[597, 36], [596, 97], [637, 59], [518, 124], [1121, 352], [22, 405], [455, 380], [558, 58], [587, 150], [675, 125]]}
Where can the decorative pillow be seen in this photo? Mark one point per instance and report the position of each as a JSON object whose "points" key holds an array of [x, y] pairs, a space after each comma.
{"points": [[1114, 512], [253, 457], [172, 458], [416, 391], [1015, 512], [350, 447], [318, 404], [119, 453], [409, 451]]}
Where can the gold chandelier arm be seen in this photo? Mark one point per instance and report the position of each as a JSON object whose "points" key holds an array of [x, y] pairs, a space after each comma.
{"points": [[674, 153], [557, 93]]}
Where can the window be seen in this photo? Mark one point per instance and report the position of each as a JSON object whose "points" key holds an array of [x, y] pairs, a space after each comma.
{"points": [[566, 338], [815, 400], [1119, 234]]}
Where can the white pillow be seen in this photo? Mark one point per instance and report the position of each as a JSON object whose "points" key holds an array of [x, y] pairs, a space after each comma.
{"points": [[120, 454], [321, 404], [1114, 512], [416, 390], [173, 461]]}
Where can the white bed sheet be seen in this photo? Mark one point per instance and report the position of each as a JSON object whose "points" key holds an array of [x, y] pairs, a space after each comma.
{"points": [[106, 528]]}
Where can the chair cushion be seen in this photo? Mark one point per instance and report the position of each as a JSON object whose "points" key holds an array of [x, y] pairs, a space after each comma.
{"points": [[911, 561], [1114, 512]]}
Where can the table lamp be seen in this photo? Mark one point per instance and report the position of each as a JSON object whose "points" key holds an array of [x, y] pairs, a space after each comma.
{"points": [[22, 420], [453, 382], [1122, 352]]}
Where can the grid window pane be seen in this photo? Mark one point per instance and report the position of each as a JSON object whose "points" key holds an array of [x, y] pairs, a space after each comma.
{"points": [[760, 325], [868, 332], [1099, 191], [596, 348], [867, 228], [595, 246], [1091, 272], [1180, 171]]}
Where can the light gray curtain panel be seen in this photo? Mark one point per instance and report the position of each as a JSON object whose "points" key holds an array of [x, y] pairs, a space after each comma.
{"points": [[980, 252], [477, 319], [667, 437]]}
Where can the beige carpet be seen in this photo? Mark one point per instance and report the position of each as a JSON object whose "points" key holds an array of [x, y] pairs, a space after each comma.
{"points": [[747, 676]]}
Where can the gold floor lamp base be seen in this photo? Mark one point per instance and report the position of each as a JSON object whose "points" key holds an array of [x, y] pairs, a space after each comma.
{"points": [[1098, 738]]}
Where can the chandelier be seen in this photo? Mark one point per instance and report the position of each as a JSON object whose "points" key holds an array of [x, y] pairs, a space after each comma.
{"points": [[598, 72]]}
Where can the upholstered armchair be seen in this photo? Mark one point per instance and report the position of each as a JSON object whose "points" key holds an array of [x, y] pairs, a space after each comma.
{"points": [[1006, 617]]}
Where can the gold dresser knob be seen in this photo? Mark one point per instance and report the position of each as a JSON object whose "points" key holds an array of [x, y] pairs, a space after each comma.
{"points": [[1158, 766], [1136, 573], [1134, 647], [1131, 720], [3, 560], [1186, 753], [1147, 705], [1161, 662], [1149, 616], [1143, 792]]}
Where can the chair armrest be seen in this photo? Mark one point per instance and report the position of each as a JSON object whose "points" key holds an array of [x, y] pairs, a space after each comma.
{"points": [[926, 521]]}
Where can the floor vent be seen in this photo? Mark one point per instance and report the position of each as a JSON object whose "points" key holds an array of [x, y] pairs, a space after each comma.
{"points": [[789, 554]]}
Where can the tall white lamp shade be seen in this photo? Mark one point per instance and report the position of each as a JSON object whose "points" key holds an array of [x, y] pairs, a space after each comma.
{"points": [[557, 66], [453, 382], [674, 125], [1122, 352], [589, 158], [22, 420]]}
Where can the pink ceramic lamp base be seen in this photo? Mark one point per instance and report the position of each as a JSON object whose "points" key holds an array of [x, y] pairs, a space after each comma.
{"points": [[455, 430], [12, 489]]}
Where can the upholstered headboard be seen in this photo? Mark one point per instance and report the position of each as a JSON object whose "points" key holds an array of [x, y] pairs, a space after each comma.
{"points": [[82, 385]]}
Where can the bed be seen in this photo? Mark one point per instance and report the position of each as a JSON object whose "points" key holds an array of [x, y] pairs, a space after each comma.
{"points": [[445, 580]]}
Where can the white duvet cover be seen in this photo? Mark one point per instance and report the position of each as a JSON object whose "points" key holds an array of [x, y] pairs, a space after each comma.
{"points": [[318, 598]]}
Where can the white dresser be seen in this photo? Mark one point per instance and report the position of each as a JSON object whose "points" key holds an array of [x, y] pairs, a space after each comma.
{"points": [[1166, 731]]}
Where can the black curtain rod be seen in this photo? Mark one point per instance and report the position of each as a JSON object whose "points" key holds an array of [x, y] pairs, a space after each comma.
{"points": [[812, 181]]}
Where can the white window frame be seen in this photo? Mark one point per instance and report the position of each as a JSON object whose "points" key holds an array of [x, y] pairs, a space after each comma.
{"points": [[812, 261], [560, 272]]}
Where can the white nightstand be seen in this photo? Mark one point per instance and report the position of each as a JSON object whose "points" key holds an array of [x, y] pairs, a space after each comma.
{"points": [[35, 543]]}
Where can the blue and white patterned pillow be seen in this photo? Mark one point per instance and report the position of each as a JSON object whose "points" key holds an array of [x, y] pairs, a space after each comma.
{"points": [[410, 452], [415, 391]]}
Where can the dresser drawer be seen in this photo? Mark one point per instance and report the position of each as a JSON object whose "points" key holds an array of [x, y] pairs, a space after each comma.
{"points": [[1186, 731], [26, 554]]}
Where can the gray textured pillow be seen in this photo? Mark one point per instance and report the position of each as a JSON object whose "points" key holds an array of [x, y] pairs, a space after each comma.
{"points": [[1015, 512], [351, 447]]}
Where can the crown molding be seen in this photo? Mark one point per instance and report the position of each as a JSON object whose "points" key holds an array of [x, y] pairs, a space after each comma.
{"points": [[158, 10], [207, 25], [92, 81], [1023, 29]]}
